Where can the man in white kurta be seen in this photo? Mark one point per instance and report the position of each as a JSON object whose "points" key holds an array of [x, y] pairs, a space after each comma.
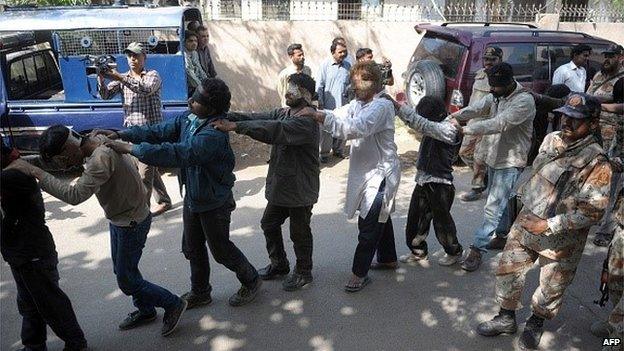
{"points": [[374, 169]]}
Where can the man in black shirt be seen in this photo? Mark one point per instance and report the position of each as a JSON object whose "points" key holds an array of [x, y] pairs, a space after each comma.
{"points": [[27, 246]]}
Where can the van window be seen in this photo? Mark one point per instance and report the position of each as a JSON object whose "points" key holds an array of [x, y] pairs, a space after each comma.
{"points": [[18, 86], [114, 41], [446, 53], [521, 57], [550, 57]]}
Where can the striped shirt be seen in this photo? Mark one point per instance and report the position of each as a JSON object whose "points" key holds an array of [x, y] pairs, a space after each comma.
{"points": [[141, 97]]}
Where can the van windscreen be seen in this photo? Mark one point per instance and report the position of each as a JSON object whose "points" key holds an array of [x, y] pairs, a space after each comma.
{"points": [[446, 53]]}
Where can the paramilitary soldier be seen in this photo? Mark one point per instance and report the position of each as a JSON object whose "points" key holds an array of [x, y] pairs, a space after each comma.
{"points": [[564, 196]]}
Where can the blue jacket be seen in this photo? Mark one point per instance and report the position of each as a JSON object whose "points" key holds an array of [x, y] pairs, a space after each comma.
{"points": [[205, 159]]}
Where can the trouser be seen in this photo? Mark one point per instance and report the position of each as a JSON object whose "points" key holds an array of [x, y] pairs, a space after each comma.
{"points": [[555, 276], [212, 227], [374, 237], [41, 302], [501, 185], [432, 201], [300, 234], [472, 154], [327, 143], [616, 280], [153, 183], [127, 245], [608, 223]]}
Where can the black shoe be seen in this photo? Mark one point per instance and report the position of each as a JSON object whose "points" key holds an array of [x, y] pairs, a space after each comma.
{"points": [[296, 281], [172, 318], [135, 319], [472, 195], [245, 295], [501, 324], [271, 272], [603, 239], [532, 333], [472, 262], [195, 300], [324, 159]]}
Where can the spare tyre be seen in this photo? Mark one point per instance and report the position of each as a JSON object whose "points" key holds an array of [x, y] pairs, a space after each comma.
{"points": [[425, 79]]}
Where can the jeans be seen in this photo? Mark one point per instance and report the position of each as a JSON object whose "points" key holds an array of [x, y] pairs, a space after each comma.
{"points": [[502, 182], [127, 245], [212, 227], [300, 234], [41, 302], [374, 237], [432, 202]]}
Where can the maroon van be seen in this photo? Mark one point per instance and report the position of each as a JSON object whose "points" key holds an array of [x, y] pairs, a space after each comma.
{"points": [[446, 59]]}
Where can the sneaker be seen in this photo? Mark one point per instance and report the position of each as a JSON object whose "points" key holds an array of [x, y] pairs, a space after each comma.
{"points": [[501, 324], [245, 295], [195, 300], [532, 333], [296, 281], [411, 258], [449, 260], [271, 272], [172, 318], [472, 195], [497, 243], [472, 262], [601, 329], [135, 319]]}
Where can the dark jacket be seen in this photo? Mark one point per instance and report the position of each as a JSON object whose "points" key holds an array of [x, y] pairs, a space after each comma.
{"points": [[436, 158], [205, 159], [24, 236], [293, 177]]}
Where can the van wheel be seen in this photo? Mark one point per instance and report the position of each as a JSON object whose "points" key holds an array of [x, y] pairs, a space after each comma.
{"points": [[426, 79]]}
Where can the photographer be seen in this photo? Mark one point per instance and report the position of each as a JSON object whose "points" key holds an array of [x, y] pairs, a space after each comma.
{"points": [[366, 54], [140, 89]]}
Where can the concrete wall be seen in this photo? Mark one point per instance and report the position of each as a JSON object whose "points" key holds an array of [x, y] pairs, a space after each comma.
{"points": [[249, 54]]}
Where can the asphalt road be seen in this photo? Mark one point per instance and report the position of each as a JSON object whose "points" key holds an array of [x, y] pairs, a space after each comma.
{"points": [[422, 307]]}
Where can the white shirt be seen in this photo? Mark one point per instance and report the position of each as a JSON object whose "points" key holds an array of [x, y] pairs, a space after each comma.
{"points": [[373, 158], [571, 75]]}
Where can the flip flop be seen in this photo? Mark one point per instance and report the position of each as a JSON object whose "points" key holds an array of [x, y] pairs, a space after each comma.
{"points": [[355, 288]]}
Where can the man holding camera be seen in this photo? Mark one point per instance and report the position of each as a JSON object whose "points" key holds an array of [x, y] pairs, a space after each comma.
{"points": [[366, 54], [140, 89]]}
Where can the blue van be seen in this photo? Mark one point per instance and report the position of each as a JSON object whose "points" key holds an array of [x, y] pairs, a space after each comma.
{"points": [[43, 68]]}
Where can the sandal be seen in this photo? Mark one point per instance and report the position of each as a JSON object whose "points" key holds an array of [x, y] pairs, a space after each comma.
{"points": [[379, 266], [359, 286], [603, 239]]}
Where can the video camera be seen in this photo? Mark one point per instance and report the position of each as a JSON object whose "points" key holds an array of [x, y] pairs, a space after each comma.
{"points": [[100, 63]]}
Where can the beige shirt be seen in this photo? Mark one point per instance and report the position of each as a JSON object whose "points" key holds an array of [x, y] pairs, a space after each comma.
{"points": [[115, 181], [282, 80], [508, 129]]}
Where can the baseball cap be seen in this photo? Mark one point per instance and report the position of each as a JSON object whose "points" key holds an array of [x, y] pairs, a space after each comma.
{"points": [[580, 106], [493, 52], [614, 49], [135, 48]]}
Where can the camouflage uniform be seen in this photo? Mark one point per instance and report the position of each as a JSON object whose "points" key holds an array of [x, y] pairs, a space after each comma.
{"points": [[569, 188], [474, 149], [610, 123], [616, 271]]}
